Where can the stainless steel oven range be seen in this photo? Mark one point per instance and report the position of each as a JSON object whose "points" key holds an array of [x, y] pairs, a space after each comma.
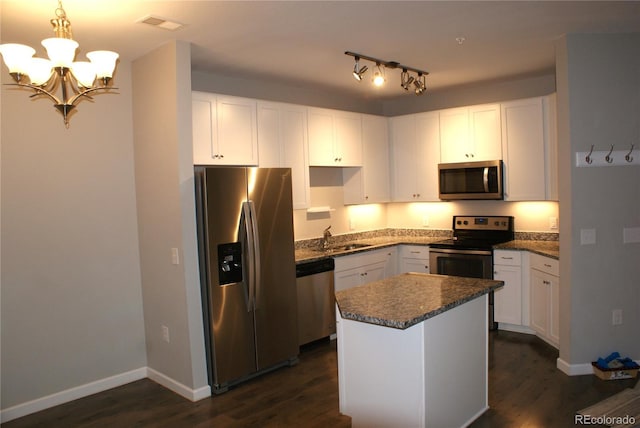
{"points": [[470, 252]]}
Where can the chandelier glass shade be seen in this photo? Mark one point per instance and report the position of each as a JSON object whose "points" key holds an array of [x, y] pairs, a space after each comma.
{"points": [[75, 80]]}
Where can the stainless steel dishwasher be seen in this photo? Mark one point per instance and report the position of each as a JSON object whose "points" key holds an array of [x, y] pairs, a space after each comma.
{"points": [[316, 300]]}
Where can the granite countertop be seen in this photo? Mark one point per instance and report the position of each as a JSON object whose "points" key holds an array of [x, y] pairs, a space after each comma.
{"points": [[543, 248], [408, 299], [310, 254]]}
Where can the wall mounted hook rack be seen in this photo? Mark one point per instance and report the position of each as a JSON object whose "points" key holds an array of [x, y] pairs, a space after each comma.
{"points": [[606, 157]]}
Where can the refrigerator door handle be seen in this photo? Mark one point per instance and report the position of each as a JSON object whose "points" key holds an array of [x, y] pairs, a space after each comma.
{"points": [[255, 237], [246, 224]]}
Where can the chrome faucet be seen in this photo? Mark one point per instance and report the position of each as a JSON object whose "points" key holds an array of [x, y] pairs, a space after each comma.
{"points": [[325, 238]]}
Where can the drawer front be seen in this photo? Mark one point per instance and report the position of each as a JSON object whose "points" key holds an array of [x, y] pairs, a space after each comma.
{"points": [[414, 251], [360, 259], [507, 258], [545, 264]]}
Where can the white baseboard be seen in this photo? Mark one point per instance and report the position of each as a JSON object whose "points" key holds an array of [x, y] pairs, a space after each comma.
{"points": [[177, 387], [71, 394], [574, 369], [101, 385], [515, 328]]}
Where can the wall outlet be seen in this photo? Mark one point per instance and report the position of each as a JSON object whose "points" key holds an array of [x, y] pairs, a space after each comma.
{"points": [[165, 334], [616, 318], [587, 236], [553, 222], [425, 221], [352, 223]]}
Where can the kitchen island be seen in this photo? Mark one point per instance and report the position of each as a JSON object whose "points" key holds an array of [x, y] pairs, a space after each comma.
{"points": [[413, 351]]}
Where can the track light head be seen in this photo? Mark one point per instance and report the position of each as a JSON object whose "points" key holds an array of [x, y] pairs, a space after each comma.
{"points": [[378, 76], [420, 84], [405, 79], [358, 73]]}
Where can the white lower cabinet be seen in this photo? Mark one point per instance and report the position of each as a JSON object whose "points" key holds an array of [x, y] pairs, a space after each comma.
{"points": [[414, 258], [545, 298], [362, 268], [509, 301]]}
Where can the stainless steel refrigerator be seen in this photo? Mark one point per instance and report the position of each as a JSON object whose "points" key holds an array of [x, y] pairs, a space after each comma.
{"points": [[247, 271]]}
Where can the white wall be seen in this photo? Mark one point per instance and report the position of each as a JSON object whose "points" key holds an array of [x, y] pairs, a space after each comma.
{"points": [[529, 216], [71, 296], [599, 104], [166, 218]]}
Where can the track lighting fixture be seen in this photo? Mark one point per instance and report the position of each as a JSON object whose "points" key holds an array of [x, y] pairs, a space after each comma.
{"points": [[379, 78], [358, 73]]}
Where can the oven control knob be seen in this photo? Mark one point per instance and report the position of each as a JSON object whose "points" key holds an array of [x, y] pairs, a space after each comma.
{"points": [[466, 222], [458, 222], [497, 223]]}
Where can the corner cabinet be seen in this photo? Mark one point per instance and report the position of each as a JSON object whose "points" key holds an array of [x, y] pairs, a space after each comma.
{"points": [[224, 130], [529, 149], [370, 183], [545, 298], [282, 142], [335, 138], [415, 153], [470, 134]]}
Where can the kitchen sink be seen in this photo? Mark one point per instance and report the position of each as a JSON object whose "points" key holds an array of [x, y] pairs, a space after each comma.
{"points": [[350, 247]]}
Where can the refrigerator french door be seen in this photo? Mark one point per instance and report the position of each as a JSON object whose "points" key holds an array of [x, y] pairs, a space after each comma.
{"points": [[247, 270]]}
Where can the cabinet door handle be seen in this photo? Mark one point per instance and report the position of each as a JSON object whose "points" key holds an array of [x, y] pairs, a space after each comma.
{"points": [[547, 265], [415, 252], [506, 258]]}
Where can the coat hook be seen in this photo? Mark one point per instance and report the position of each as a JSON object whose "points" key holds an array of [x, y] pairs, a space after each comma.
{"points": [[628, 156], [608, 157], [589, 159]]}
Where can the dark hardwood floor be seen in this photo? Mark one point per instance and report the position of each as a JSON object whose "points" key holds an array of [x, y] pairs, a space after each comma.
{"points": [[525, 390]]}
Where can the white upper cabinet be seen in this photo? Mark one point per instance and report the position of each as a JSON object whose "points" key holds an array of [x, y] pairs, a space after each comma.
{"points": [[370, 183], [224, 130], [282, 142], [530, 150], [470, 134], [415, 152], [335, 138]]}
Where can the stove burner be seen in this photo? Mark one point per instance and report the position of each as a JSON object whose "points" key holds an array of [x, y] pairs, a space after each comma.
{"points": [[478, 233]]}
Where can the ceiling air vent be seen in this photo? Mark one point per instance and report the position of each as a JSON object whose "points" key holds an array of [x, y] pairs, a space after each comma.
{"points": [[163, 23]]}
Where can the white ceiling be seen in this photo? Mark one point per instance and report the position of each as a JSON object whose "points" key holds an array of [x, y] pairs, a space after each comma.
{"points": [[303, 42]]}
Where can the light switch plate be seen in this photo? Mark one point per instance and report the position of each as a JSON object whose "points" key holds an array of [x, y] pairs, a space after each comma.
{"points": [[587, 236], [553, 222], [631, 235]]}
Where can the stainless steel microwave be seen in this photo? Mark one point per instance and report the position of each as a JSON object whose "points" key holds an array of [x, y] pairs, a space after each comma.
{"points": [[470, 180]]}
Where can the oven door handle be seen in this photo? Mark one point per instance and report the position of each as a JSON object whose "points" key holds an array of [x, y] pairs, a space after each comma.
{"points": [[461, 252], [485, 179]]}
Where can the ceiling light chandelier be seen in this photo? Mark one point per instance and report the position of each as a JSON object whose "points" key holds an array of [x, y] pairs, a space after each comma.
{"points": [[379, 78], [75, 79]]}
